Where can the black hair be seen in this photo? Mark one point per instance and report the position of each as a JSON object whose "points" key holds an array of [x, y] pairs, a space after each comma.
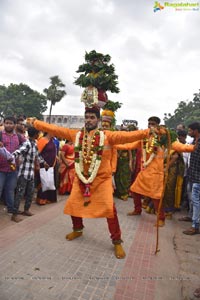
{"points": [[19, 119], [32, 131], [93, 111], [182, 133], [154, 119], [10, 118], [194, 126]]}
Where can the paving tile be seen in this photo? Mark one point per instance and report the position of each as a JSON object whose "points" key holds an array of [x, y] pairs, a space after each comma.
{"points": [[86, 268]]}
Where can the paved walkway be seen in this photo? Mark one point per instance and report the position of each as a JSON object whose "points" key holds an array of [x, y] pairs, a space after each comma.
{"points": [[36, 262]]}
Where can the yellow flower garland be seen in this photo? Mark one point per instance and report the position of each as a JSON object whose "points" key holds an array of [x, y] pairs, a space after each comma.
{"points": [[150, 146]]}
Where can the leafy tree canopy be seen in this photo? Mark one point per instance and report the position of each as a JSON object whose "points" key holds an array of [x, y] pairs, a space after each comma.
{"points": [[186, 113], [20, 99]]}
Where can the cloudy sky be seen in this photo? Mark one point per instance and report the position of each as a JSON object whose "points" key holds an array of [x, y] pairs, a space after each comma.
{"points": [[156, 55]]}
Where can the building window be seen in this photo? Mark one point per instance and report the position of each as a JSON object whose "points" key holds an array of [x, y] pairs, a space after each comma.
{"points": [[74, 120]]}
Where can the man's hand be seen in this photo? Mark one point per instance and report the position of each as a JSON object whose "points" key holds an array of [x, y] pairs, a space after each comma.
{"points": [[30, 121], [196, 145], [159, 130], [46, 166], [162, 130]]}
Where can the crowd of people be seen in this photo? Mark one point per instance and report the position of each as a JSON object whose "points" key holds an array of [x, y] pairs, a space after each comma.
{"points": [[24, 152], [94, 163], [159, 168]]}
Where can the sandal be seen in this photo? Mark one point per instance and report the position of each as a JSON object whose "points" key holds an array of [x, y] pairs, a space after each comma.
{"points": [[133, 213], [27, 213], [191, 231], [124, 197], [185, 219], [41, 201]]}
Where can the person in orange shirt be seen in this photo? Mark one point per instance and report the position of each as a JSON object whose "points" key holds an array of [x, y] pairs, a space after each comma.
{"points": [[92, 191], [137, 198], [107, 121], [150, 180]]}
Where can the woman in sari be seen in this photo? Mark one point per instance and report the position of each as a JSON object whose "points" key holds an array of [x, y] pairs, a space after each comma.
{"points": [[67, 168], [174, 183], [124, 170], [123, 174], [47, 149]]}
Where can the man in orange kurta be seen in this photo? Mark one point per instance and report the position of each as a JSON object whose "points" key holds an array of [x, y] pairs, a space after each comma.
{"points": [[150, 180], [101, 199]]}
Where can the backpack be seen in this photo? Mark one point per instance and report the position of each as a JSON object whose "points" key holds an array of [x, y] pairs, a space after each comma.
{"points": [[19, 138]]}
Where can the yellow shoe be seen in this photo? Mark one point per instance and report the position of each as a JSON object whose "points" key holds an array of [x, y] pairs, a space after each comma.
{"points": [[73, 235], [124, 198], [160, 223], [119, 251]]}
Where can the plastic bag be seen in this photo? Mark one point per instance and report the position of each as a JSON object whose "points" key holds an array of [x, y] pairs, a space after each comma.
{"points": [[47, 179]]}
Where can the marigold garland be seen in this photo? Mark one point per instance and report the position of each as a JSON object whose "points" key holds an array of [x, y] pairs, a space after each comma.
{"points": [[150, 146]]}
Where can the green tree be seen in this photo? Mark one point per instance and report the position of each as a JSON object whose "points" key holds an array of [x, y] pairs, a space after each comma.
{"points": [[3, 101], [186, 113], [20, 99], [55, 92]]}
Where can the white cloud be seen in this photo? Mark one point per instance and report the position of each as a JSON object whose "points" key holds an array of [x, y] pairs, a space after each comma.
{"points": [[156, 55]]}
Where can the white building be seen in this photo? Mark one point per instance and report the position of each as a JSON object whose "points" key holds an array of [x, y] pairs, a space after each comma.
{"points": [[69, 121]]}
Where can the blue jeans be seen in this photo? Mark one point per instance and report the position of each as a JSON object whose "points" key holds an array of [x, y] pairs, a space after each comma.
{"points": [[189, 194], [8, 182], [196, 205]]}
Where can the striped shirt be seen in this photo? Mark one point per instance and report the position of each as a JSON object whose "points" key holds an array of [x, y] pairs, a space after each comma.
{"points": [[194, 167], [28, 153]]}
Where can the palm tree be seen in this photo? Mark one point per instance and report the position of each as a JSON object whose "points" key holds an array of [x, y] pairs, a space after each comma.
{"points": [[55, 92]]}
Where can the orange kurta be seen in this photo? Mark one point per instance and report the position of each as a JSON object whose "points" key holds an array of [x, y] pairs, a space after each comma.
{"points": [[149, 182], [101, 198], [114, 160]]}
